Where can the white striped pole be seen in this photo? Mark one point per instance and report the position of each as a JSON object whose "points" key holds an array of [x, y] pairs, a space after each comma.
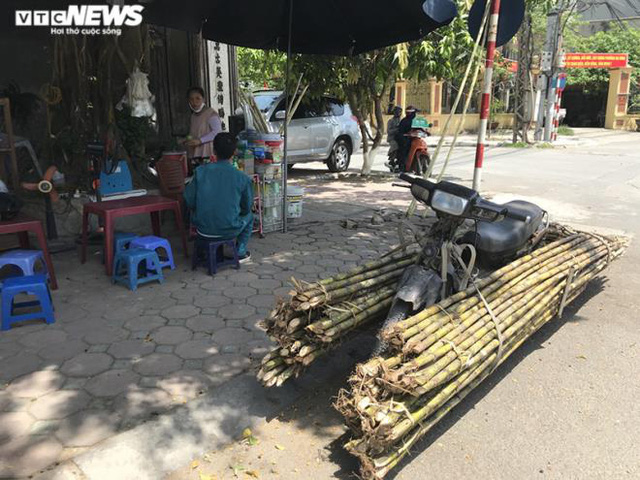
{"points": [[556, 116], [486, 92]]}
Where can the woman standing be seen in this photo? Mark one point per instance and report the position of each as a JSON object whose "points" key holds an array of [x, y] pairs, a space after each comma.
{"points": [[205, 125]]}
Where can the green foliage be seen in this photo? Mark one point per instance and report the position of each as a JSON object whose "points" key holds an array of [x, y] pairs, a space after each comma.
{"points": [[258, 67], [515, 145], [566, 131], [615, 40]]}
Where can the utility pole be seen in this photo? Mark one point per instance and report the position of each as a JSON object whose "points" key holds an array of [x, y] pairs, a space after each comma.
{"points": [[522, 101], [546, 81]]}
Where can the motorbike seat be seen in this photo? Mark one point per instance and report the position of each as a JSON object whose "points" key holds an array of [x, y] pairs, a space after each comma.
{"points": [[498, 243]]}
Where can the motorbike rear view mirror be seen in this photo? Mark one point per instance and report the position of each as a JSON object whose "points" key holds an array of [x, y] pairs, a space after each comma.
{"points": [[281, 115]]}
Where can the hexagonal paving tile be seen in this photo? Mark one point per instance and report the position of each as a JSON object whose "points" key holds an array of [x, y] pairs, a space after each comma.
{"points": [[211, 300], [140, 403], [185, 384], [111, 383], [180, 312], [131, 349], [9, 349], [232, 336], [266, 269], [86, 364], [59, 404], [221, 367], [243, 278], [266, 284], [202, 348], [231, 312], [309, 269], [36, 384], [43, 337], [105, 335], [20, 364], [262, 301], [125, 312], [145, 322], [14, 425], [171, 335], [28, 455], [205, 323], [87, 428], [158, 364], [239, 292], [59, 352]]}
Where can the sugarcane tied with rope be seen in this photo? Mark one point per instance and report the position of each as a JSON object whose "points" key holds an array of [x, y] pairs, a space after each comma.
{"points": [[451, 305]]}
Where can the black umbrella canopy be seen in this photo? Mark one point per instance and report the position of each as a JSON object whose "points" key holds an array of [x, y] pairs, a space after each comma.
{"points": [[331, 27]]}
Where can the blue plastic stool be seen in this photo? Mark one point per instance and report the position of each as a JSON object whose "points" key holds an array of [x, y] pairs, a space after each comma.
{"points": [[27, 285], [127, 263], [121, 241], [214, 254], [154, 243], [25, 260]]}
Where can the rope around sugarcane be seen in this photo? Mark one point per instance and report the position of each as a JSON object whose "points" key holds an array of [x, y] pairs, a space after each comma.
{"points": [[394, 400]]}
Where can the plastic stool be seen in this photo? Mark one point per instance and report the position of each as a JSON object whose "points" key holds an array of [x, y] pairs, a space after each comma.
{"points": [[27, 285], [154, 243], [127, 262], [214, 251], [121, 241], [25, 260]]}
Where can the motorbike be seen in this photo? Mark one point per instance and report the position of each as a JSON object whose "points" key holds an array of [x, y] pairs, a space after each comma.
{"points": [[418, 159], [469, 231]]}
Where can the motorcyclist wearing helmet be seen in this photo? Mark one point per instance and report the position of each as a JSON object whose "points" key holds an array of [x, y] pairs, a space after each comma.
{"points": [[404, 142]]}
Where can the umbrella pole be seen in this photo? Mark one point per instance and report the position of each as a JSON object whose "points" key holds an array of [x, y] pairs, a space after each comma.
{"points": [[285, 206], [486, 93]]}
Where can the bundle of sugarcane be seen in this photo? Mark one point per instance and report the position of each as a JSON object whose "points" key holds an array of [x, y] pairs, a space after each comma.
{"points": [[439, 355], [319, 315]]}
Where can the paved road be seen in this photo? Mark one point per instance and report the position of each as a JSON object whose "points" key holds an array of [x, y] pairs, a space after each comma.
{"points": [[565, 406]]}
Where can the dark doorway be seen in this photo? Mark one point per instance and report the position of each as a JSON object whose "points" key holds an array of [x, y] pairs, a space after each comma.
{"points": [[584, 109]]}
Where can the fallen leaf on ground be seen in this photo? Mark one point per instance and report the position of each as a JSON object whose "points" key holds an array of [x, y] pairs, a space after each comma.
{"points": [[279, 447], [581, 357], [195, 464], [252, 473], [207, 477]]}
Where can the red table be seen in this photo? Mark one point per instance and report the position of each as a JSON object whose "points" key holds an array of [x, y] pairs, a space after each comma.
{"points": [[22, 226], [113, 209]]}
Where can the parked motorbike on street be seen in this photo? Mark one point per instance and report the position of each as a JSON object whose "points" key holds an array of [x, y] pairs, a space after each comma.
{"points": [[469, 231]]}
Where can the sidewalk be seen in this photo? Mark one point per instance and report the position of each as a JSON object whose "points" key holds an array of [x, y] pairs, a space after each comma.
{"points": [[153, 364]]}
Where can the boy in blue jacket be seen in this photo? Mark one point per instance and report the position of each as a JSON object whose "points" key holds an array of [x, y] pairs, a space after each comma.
{"points": [[220, 197]]}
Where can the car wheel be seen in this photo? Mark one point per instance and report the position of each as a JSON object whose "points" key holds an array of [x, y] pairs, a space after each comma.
{"points": [[340, 157]]}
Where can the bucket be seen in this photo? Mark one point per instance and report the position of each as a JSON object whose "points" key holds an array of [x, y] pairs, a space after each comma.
{"points": [[294, 201]]}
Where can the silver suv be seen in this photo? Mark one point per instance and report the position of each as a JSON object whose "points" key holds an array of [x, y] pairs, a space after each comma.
{"points": [[322, 129]]}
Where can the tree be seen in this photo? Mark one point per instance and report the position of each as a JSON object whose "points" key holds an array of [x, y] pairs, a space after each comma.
{"points": [[616, 40], [365, 80], [261, 68]]}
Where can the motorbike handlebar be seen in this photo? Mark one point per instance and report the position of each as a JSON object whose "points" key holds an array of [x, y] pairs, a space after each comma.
{"points": [[502, 211]]}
